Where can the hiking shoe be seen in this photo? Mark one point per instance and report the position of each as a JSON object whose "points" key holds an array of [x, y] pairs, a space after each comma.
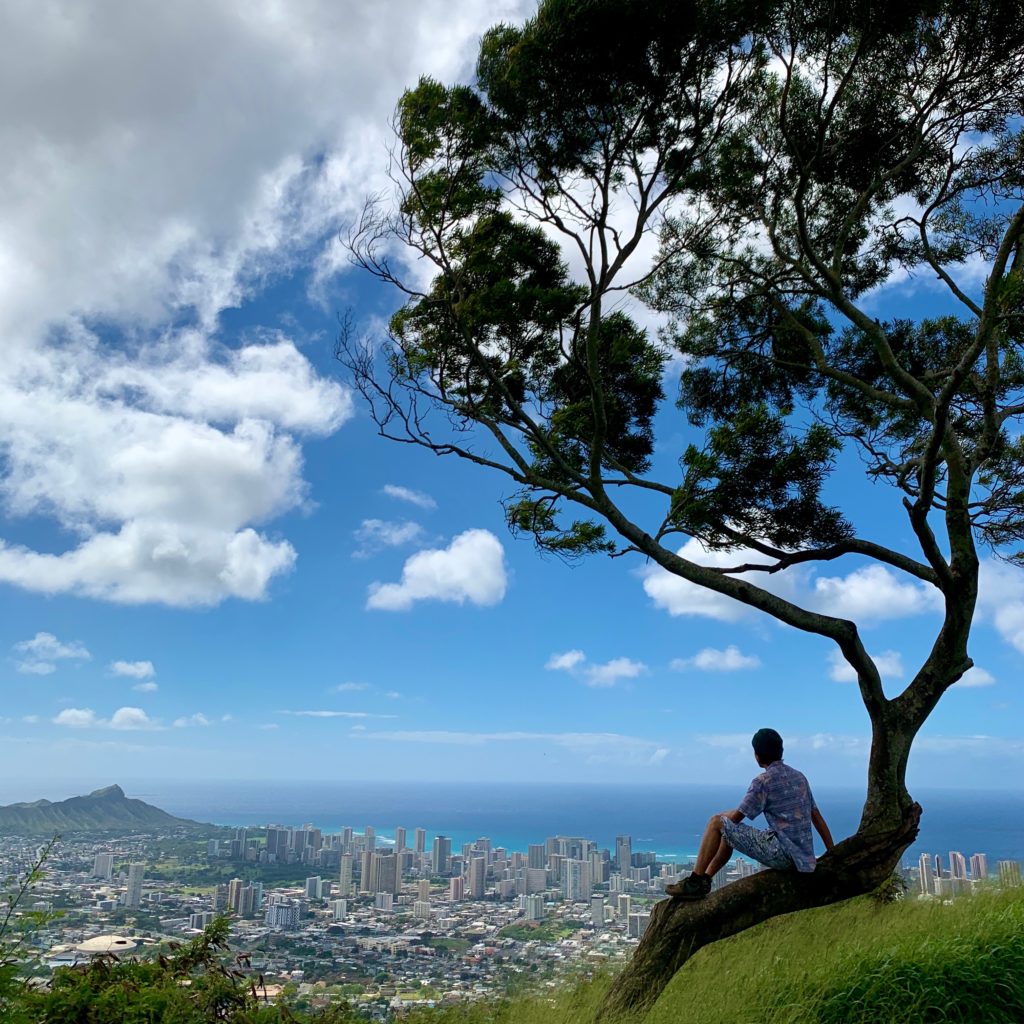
{"points": [[696, 887]]}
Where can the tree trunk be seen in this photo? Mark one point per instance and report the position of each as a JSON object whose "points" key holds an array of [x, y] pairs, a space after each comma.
{"points": [[678, 928]]}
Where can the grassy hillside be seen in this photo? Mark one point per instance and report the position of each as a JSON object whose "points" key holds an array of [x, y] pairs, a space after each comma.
{"points": [[858, 963]]}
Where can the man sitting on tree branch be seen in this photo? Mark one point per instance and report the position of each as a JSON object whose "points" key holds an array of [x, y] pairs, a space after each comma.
{"points": [[782, 794]]}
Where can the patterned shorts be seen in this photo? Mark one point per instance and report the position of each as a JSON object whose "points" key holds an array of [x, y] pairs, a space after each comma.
{"points": [[762, 846]]}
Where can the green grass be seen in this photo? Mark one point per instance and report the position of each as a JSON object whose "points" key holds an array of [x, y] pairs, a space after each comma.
{"points": [[857, 963], [860, 963]]}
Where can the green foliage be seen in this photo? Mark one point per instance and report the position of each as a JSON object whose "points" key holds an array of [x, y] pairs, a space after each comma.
{"points": [[191, 984]]}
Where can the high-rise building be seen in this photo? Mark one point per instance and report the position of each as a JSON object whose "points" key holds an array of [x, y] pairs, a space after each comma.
{"points": [[1009, 873], [399, 839], [534, 907], [457, 889], [212, 847], [979, 867], [624, 905], [421, 910], [371, 837], [420, 840], [133, 894], [442, 854], [477, 877], [957, 865], [103, 865], [483, 845], [576, 884], [234, 893], [638, 925], [383, 872], [536, 856], [423, 889], [314, 888], [285, 915], [597, 911], [623, 853], [345, 876], [365, 870], [339, 909], [536, 880], [938, 865], [384, 901], [926, 872], [346, 837]]}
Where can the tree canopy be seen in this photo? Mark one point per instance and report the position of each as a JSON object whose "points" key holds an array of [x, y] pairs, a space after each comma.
{"points": [[755, 172]]}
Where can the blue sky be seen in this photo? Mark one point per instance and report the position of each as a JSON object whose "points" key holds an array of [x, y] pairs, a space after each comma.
{"points": [[211, 566]]}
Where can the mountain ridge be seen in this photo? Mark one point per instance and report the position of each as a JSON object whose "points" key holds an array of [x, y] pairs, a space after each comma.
{"points": [[103, 809]]}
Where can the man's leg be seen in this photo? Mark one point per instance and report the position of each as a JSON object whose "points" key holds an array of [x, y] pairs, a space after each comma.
{"points": [[714, 852]]}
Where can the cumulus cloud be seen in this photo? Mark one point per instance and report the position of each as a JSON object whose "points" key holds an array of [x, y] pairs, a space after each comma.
{"points": [[76, 718], [566, 662], [123, 719], [417, 498], [471, 568], [376, 534], [43, 651], [874, 593], [146, 687], [976, 677], [710, 659], [889, 664], [1001, 600], [681, 598], [599, 676], [158, 198], [133, 669]]}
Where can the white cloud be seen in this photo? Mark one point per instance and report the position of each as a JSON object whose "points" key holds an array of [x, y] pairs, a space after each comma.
{"points": [[43, 650], [680, 598], [417, 498], [36, 668], [976, 677], [146, 687], [375, 534], [124, 719], [471, 568], [76, 718], [350, 687], [1001, 600], [874, 593], [609, 673], [133, 669], [160, 181], [888, 663], [197, 719], [567, 661], [599, 676], [709, 659], [130, 718]]}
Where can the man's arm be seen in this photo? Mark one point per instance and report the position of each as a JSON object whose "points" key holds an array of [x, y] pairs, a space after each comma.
{"points": [[736, 815], [819, 823]]}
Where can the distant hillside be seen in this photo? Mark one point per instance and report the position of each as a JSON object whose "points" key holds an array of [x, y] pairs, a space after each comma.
{"points": [[106, 808]]}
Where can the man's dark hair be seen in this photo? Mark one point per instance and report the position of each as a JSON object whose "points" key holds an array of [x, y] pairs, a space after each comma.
{"points": [[767, 744]]}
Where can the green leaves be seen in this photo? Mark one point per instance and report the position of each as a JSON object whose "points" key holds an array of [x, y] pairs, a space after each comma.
{"points": [[756, 477]]}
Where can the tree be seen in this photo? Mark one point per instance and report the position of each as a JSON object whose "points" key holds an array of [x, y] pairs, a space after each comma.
{"points": [[790, 157]]}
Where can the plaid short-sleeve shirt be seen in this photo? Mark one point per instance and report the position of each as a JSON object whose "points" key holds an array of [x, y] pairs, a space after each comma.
{"points": [[783, 795]]}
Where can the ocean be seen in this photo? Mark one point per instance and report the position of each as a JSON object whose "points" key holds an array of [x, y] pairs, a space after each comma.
{"points": [[666, 819]]}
